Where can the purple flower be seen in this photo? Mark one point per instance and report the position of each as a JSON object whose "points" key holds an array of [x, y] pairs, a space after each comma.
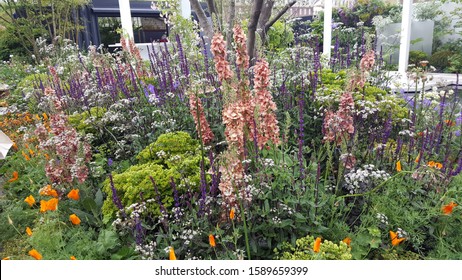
{"points": [[110, 161], [457, 133]]}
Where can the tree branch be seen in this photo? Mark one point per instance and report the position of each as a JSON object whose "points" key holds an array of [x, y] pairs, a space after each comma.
{"points": [[279, 15], [203, 22]]}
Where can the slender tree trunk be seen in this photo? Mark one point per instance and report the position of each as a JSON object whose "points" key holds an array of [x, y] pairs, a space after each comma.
{"points": [[264, 17], [205, 25], [252, 27], [232, 16]]}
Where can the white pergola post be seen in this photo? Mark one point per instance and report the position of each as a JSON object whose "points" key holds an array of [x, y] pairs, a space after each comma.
{"points": [[185, 8], [327, 37], [126, 18], [405, 41]]}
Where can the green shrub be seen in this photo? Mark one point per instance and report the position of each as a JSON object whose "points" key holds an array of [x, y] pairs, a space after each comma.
{"points": [[174, 156], [440, 59], [303, 250], [82, 121], [415, 57]]}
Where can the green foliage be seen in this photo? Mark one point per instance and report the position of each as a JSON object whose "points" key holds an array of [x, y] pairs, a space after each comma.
{"points": [[174, 156], [440, 60], [82, 122], [303, 250], [280, 36], [415, 57], [168, 145]]}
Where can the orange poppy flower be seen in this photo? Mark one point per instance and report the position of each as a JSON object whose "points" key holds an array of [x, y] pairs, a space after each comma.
{"points": [[31, 153], [347, 241], [212, 240], [171, 255], [48, 191], [6, 259], [37, 117], [74, 219], [438, 165], [28, 231], [398, 166], [431, 163], [317, 245], [47, 156], [45, 117], [15, 146], [30, 200], [25, 156], [232, 213], [417, 159], [450, 123], [394, 238], [73, 258], [447, 209], [74, 194], [15, 177], [50, 205], [35, 254]]}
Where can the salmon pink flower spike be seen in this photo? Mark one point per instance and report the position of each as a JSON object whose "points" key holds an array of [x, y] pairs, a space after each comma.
{"points": [[242, 57], [218, 49], [267, 124], [202, 125]]}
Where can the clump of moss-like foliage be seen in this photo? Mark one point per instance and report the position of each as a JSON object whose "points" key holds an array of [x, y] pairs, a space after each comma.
{"points": [[303, 250], [173, 157]]}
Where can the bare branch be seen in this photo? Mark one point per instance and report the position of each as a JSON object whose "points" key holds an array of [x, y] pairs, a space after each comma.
{"points": [[279, 15]]}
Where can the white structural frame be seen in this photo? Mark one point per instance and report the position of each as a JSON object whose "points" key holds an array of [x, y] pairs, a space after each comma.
{"points": [[327, 37], [405, 40], [126, 18]]}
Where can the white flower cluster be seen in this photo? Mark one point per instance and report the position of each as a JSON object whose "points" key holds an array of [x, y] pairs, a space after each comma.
{"points": [[382, 218], [401, 233], [267, 162], [146, 250], [362, 179]]}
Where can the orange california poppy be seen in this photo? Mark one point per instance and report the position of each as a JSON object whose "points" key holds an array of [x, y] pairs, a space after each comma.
{"points": [[347, 241], [45, 117], [50, 205], [450, 123], [25, 156], [28, 231], [172, 256], [438, 165], [398, 166], [53, 204], [74, 219], [447, 209], [30, 200], [232, 213], [74, 194], [394, 238], [37, 117], [431, 163], [73, 258], [212, 240], [48, 191], [317, 245], [15, 146], [31, 152], [417, 159], [46, 156], [35, 254], [15, 177], [6, 259]]}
